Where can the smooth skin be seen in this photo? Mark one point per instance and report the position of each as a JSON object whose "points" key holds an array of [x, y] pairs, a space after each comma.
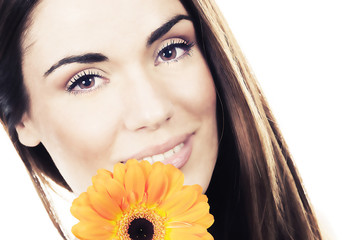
{"points": [[101, 92]]}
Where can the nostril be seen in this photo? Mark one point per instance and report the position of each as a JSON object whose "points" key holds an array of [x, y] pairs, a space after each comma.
{"points": [[150, 118], [149, 111]]}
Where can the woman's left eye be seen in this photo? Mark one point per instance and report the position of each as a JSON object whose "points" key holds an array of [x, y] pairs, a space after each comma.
{"points": [[173, 51], [85, 81]]}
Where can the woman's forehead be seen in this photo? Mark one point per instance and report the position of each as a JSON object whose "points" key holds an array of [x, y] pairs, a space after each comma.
{"points": [[59, 17], [66, 27]]}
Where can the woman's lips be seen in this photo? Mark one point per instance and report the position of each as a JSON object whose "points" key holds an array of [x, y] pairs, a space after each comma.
{"points": [[176, 152], [162, 156], [180, 158]]}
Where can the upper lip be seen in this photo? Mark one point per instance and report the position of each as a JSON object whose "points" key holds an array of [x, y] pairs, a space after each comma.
{"points": [[160, 148]]}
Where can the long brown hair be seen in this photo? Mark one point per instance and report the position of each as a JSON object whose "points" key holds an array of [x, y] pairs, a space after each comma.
{"points": [[14, 20], [262, 193], [268, 197]]}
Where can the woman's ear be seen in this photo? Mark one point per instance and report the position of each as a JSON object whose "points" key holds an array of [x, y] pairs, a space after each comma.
{"points": [[27, 133]]}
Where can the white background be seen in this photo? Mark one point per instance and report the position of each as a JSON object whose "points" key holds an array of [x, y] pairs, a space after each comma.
{"points": [[305, 55]]}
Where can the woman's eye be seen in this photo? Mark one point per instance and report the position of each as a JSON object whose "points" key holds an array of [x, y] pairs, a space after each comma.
{"points": [[87, 82], [170, 53], [84, 82], [174, 51]]}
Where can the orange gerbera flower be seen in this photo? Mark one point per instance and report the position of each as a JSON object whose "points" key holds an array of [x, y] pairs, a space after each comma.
{"points": [[141, 201]]}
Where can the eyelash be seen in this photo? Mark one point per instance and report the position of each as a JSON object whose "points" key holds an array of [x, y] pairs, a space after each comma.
{"points": [[76, 80], [185, 45], [82, 76]]}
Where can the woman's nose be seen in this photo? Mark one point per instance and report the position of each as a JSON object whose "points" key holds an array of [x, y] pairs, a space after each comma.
{"points": [[149, 105]]}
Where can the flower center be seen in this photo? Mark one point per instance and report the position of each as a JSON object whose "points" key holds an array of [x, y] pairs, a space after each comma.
{"points": [[141, 228], [141, 223]]}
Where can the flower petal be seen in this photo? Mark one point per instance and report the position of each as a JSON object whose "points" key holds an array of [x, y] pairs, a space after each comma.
{"points": [[104, 172], [179, 202], [119, 173], [157, 184], [90, 231], [154, 192], [86, 213], [103, 204], [116, 191], [134, 180], [175, 179], [146, 167], [192, 232], [207, 236], [82, 200], [195, 213], [99, 182], [207, 220]]}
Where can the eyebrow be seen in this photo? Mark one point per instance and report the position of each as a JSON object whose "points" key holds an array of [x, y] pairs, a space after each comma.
{"points": [[85, 58], [98, 57], [161, 31]]}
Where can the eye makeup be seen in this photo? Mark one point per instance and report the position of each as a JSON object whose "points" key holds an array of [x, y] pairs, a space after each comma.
{"points": [[173, 50], [84, 81]]}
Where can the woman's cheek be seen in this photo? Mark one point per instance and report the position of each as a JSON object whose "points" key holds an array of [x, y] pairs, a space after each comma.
{"points": [[79, 128], [198, 90]]}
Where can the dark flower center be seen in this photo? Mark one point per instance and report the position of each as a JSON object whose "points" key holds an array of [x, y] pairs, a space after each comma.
{"points": [[141, 228]]}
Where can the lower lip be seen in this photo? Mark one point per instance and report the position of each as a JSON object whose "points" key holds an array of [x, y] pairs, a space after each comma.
{"points": [[180, 158]]}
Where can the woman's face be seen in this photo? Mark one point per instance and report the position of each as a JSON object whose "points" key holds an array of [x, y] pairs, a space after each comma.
{"points": [[118, 79]]}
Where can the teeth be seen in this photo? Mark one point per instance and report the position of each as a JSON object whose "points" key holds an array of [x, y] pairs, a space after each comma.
{"points": [[148, 159], [169, 153], [178, 147], [162, 156], [158, 158]]}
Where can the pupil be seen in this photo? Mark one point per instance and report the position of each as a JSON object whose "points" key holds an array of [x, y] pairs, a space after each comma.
{"points": [[168, 53], [87, 82], [141, 228]]}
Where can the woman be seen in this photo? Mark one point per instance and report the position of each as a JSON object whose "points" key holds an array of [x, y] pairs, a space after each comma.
{"points": [[95, 84]]}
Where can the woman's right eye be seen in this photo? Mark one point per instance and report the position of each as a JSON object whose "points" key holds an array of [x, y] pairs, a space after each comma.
{"points": [[85, 81]]}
